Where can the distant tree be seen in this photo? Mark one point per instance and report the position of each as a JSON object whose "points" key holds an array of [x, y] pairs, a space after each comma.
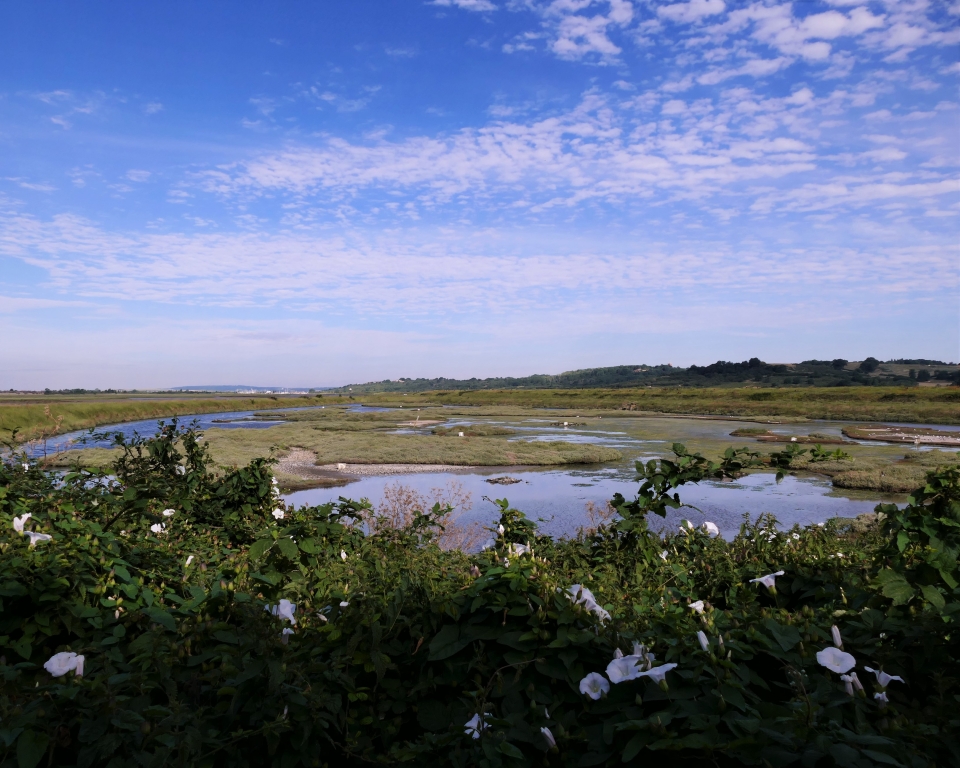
{"points": [[913, 373], [869, 365], [839, 363], [923, 375]]}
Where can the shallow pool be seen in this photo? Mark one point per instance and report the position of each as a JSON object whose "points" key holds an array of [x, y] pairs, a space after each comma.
{"points": [[559, 498]]}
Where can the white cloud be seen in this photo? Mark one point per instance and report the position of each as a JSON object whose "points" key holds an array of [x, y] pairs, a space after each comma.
{"points": [[138, 175], [752, 68], [883, 155], [152, 108], [691, 11], [31, 185], [576, 29], [776, 26], [467, 5], [401, 273]]}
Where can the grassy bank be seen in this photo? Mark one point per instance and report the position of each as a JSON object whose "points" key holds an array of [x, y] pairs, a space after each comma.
{"points": [[37, 417], [235, 447], [873, 473], [925, 405]]}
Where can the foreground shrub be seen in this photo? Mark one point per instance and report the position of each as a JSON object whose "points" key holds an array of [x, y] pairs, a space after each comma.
{"points": [[177, 615]]}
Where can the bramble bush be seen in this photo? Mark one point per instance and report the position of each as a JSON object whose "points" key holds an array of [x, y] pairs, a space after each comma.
{"points": [[182, 616]]}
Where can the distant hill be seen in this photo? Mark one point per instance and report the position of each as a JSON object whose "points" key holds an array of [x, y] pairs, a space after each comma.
{"points": [[245, 388], [809, 373]]}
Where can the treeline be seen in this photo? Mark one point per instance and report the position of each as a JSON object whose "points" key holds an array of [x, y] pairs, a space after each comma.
{"points": [[809, 373]]}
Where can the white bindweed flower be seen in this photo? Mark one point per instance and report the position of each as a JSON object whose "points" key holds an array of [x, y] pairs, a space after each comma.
{"points": [[501, 530], [474, 726], [273, 481], [285, 635], [704, 643], [323, 618], [847, 684], [189, 560], [883, 679], [548, 735], [583, 596], [168, 513], [711, 529], [181, 470], [519, 549], [35, 537], [343, 555], [836, 660], [26, 467], [618, 654], [663, 555], [283, 610], [594, 685], [623, 669], [657, 674], [344, 603], [18, 522], [278, 513], [158, 528], [66, 661], [769, 581], [697, 606], [882, 699], [835, 634]]}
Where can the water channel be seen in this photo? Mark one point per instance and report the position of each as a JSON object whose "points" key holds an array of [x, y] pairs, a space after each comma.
{"points": [[558, 497]]}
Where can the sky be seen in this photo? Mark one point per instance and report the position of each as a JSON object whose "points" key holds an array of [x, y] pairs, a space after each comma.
{"points": [[318, 193]]}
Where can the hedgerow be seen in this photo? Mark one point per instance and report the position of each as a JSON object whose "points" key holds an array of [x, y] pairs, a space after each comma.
{"points": [[182, 616]]}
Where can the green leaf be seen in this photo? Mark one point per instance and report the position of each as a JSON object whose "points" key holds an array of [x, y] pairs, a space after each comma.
{"points": [[289, 548], [12, 589], [446, 643], [880, 757], [844, 755], [259, 547], [510, 750], [309, 546], [894, 586], [634, 746], [31, 747], [161, 617], [948, 578], [23, 647], [932, 595], [784, 634]]}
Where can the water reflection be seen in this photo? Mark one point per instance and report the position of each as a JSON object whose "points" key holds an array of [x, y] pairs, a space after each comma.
{"points": [[559, 498]]}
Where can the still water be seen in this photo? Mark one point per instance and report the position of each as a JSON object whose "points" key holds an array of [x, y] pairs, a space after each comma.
{"points": [[558, 499], [148, 427]]}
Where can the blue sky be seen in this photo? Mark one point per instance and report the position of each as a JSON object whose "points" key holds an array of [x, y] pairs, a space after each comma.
{"points": [[319, 193]]}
